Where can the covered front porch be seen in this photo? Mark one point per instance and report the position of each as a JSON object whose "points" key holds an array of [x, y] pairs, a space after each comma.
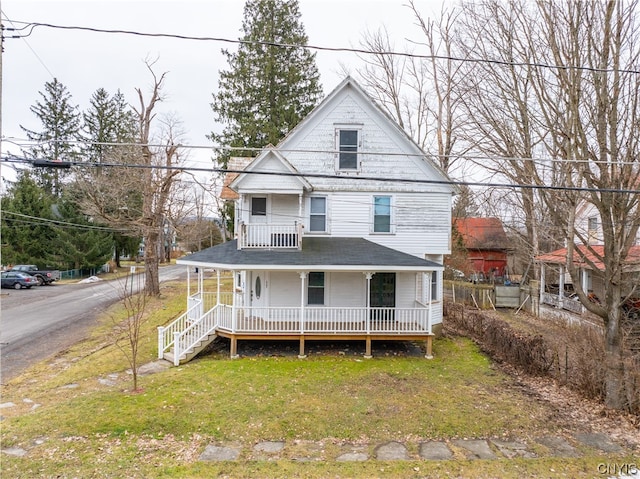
{"points": [[308, 302]]}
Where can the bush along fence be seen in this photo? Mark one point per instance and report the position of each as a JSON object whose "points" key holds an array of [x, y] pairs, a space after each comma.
{"points": [[573, 356]]}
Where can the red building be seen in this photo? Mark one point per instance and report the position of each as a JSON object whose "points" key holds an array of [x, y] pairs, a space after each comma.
{"points": [[486, 244]]}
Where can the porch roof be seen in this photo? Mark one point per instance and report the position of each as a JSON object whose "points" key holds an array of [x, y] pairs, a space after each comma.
{"points": [[584, 256], [322, 254]]}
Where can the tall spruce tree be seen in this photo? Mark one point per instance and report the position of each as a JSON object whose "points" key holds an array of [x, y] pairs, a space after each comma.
{"points": [[57, 139], [268, 88], [108, 120], [109, 127]]}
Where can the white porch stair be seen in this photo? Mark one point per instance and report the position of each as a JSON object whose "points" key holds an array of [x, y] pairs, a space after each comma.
{"points": [[191, 352]]}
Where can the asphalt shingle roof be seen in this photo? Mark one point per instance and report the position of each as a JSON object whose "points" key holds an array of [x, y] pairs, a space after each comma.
{"points": [[340, 253]]}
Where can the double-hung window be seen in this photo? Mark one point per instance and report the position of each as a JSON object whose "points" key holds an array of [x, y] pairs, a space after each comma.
{"points": [[258, 206], [315, 288], [318, 214], [382, 214], [348, 149]]}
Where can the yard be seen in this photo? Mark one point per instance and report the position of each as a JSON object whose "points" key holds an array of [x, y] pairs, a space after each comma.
{"points": [[75, 415]]}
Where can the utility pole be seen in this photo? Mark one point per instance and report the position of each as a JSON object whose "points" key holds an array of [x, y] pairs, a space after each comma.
{"points": [[1, 134]]}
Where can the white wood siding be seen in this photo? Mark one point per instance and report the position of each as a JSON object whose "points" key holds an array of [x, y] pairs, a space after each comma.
{"points": [[421, 222], [347, 290], [378, 137]]}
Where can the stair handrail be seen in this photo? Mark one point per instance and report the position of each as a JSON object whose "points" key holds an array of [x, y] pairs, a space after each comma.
{"points": [[166, 333], [203, 327]]}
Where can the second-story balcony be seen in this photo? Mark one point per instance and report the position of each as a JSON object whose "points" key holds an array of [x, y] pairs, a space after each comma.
{"points": [[270, 236]]}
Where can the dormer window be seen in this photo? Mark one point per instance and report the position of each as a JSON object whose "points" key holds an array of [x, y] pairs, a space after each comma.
{"points": [[348, 141]]}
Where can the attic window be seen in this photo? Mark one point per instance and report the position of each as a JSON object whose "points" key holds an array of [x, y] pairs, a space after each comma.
{"points": [[348, 149]]}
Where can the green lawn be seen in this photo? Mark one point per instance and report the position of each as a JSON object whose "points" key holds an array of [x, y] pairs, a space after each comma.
{"points": [[93, 429]]}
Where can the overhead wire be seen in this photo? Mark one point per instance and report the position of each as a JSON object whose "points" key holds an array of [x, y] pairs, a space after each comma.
{"points": [[357, 178], [362, 51]]}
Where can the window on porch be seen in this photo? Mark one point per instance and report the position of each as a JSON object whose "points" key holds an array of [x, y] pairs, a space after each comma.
{"points": [[258, 206], [315, 288]]}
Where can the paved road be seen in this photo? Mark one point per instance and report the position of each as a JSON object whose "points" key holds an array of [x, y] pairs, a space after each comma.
{"points": [[40, 322]]}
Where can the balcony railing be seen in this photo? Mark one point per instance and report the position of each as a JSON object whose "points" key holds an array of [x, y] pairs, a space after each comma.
{"points": [[270, 236]]}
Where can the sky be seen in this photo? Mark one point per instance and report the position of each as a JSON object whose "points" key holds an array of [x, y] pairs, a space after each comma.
{"points": [[85, 61]]}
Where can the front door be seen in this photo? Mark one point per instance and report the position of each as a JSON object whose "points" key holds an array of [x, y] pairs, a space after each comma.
{"points": [[258, 291], [382, 295]]}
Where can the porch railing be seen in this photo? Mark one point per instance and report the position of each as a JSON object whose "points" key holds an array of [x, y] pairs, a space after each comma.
{"points": [[270, 236], [569, 304], [198, 303], [325, 320]]}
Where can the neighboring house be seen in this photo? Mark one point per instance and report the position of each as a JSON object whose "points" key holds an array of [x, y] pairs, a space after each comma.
{"points": [[556, 286], [341, 230], [486, 245]]}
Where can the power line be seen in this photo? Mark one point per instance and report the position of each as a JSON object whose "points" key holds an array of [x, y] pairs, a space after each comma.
{"points": [[58, 222], [67, 164], [33, 25], [26, 143]]}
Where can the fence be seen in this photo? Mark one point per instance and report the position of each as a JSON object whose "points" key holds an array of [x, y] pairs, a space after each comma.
{"points": [[491, 297], [573, 354]]}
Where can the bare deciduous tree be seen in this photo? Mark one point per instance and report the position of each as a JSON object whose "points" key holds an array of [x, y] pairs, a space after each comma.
{"points": [[558, 81], [144, 196], [129, 332]]}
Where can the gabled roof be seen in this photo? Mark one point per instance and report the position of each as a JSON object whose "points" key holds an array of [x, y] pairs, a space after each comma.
{"points": [[271, 161], [350, 85], [582, 255], [482, 233], [317, 253]]}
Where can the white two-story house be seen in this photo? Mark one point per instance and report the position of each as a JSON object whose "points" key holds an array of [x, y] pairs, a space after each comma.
{"points": [[340, 230]]}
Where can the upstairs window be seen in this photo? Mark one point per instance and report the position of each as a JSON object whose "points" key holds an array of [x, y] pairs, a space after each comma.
{"points": [[317, 214], [382, 214], [258, 206], [348, 149], [315, 288]]}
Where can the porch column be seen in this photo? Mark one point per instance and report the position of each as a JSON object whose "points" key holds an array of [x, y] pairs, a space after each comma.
{"points": [[368, 301], [300, 207], [430, 310], [188, 282], [584, 281], [237, 221], [561, 292], [543, 270], [234, 309], [303, 276], [217, 287]]}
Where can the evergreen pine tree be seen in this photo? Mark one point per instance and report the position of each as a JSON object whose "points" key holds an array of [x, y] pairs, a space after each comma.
{"points": [[27, 236], [57, 140], [81, 243], [268, 88]]}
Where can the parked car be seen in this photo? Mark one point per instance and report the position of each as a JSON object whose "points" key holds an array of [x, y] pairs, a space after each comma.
{"points": [[17, 280], [452, 273], [42, 276]]}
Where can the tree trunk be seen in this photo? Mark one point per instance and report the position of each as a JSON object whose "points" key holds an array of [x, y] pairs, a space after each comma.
{"points": [[614, 366], [152, 280]]}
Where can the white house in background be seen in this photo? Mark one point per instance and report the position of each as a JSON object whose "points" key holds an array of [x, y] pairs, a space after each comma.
{"points": [[588, 259], [341, 231]]}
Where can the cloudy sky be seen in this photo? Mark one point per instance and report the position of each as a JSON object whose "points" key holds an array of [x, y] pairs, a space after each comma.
{"points": [[85, 61]]}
